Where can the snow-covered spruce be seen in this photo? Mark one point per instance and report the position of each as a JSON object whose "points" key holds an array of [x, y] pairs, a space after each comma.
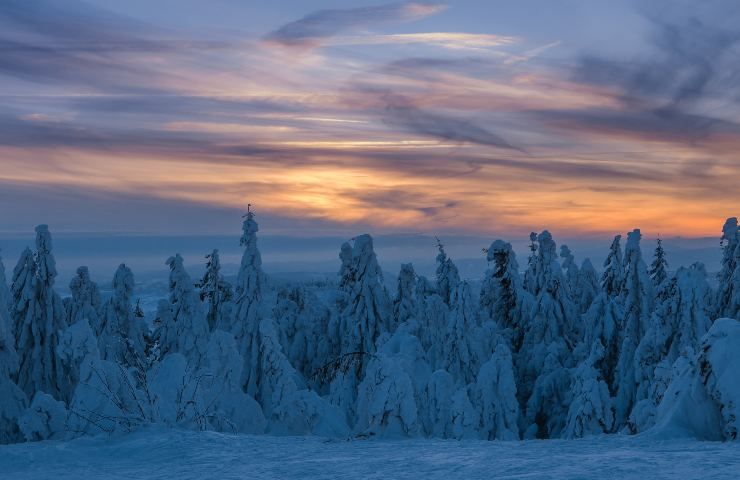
{"points": [[659, 268], [590, 411], [680, 320], [39, 316], [502, 296], [249, 308], [122, 335], [216, 292], [404, 305], [549, 336], [13, 401], [587, 286], [447, 274], [364, 318], [637, 303], [728, 292], [185, 330]]}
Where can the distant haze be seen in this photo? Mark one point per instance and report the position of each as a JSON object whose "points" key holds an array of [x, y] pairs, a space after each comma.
{"points": [[282, 255]]}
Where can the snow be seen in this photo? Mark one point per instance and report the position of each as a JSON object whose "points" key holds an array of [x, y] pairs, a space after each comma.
{"points": [[160, 454], [556, 355]]}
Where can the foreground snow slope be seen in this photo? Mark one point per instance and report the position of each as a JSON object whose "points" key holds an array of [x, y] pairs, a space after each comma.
{"points": [[160, 454]]}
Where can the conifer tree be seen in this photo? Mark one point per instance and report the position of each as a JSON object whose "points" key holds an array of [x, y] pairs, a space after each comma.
{"points": [[590, 411], [658, 269], [84, 304], [404, 305], [365, 317], [12, 400], [502, 297], [637, 299], [460, 355], [216, 292], [728, 279], [570, 269], [495, 396], [186, 330], [587, 286], [249, 305], [122, 335], [447, 275], [613, 276], [39, 317], [552, 329], [681, 318], [531, 273]]}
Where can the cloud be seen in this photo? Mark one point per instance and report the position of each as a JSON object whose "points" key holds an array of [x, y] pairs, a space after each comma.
{"points": [[315, 27], [665, 124], [399, 111], [448, 40], [691, 59], [73, 43]]}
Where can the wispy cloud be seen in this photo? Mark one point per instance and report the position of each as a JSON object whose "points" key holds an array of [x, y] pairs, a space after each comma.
{"points": [[312, 29], [448, 40]]}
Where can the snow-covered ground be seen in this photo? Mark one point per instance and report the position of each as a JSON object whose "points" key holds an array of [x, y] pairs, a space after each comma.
{"points": [[181, 455]]}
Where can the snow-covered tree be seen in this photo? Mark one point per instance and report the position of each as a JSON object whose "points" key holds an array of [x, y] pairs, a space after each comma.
{"points": [[703, 397], [84, 304], [447, 274], [502, 297], [45, 419], [302, 321], [658, 269], [590, 411], [601, 324], [531, 272], [495, 397], [385, 401], [404, 305], [105, 397], [460, 355], [13, 401], [431, 314], [186, 330], [681, 318], [728, 279], [39, 317], [570, 270], [122, 334], [587, 286], [216, 292], [552, 328], [547, 407], [613, 276], [436, 405], [637, 300], [231, 410], [464, 418], [368, 311], [249, 303], [365, 317]]}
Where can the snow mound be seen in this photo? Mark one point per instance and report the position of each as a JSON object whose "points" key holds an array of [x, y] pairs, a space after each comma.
{"points": [[702, 401]]}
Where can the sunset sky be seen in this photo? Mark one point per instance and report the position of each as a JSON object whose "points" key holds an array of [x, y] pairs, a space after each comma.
{"points": [[589, 117]]}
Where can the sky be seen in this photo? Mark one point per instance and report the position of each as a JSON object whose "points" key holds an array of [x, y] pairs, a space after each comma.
{"points": [[470, 117]]}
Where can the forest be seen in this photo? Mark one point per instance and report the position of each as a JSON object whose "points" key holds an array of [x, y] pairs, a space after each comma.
{"points": [[543, 349]]}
